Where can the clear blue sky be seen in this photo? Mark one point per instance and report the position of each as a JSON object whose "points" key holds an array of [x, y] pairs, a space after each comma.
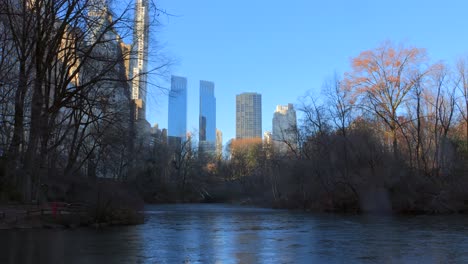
{"points": [[282, 49]]}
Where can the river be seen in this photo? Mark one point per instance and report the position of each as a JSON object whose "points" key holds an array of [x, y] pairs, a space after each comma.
{"points": [[216, 233]]}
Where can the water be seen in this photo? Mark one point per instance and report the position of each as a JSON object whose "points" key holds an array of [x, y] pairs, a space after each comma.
{"points": [[234, 234]]}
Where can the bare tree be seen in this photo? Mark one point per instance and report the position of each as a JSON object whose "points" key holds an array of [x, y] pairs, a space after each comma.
{"points": [[462, 103], [382, 78], [70, 83], [340, 102]]}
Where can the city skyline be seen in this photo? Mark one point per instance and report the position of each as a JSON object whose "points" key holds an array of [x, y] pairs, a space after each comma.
{"points": [[207, 112], [285, 58]]}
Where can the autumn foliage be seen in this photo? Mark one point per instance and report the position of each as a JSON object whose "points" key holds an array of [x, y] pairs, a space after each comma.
{"points": [[381, 79], [245, 144]]}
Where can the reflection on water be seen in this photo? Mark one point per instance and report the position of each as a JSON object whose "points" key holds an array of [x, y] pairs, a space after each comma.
{"points": [[233, 234]]}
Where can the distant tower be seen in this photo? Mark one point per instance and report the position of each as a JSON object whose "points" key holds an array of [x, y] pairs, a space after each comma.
{"points": [[139, 60], [267, 143], [249, 115], [267, 138], [219, 143], [177, 121], [207, 125], [284, 125]]}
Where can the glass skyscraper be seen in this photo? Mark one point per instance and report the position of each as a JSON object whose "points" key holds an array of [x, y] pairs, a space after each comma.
{"points": [[207, 112], [177, 122], [249, 115], [207, 123]]}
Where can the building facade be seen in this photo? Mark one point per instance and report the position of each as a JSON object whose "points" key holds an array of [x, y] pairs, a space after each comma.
{"points": [[107, 68], [177, 119], [284, 126], [139, 58], [248, 115]]}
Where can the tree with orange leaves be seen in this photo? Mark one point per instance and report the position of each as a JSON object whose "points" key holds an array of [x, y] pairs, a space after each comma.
{"points": [[381, 79]]}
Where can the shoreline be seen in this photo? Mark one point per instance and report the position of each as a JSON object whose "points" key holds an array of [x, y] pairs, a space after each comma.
{"points": [[18, 219], [21, 216], [264, 205], [37, 223]]}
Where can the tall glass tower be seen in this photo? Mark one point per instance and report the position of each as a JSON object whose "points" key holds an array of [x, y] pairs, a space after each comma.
{"points": [[207, 122], [177, 122], [139, 60], [249, 115], [207, 112]]}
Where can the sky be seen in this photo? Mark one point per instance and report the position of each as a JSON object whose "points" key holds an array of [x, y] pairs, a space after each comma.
{"points": [[285, 49]]}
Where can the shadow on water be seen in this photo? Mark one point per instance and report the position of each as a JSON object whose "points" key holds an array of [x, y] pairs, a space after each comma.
{"points": [[70, 246], [234, 234]]}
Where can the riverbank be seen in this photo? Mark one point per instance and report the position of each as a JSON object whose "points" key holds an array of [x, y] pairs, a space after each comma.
{"points": [[22, 216], [372, 205], [80, 202]]}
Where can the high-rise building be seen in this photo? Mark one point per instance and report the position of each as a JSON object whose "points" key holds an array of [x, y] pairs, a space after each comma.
{"points": [[207, 125], [207, 112], [177, 121], [139, 60], [249, 115], [284, 124]]}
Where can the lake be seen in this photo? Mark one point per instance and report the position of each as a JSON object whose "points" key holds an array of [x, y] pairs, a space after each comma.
{"points": [[219, 233]]}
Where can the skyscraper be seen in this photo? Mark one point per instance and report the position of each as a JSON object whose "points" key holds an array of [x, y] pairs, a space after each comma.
{"points": [[207, 112], [284, 124], [207, 125], [177, 122], [249, 115], [139, 60]]}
